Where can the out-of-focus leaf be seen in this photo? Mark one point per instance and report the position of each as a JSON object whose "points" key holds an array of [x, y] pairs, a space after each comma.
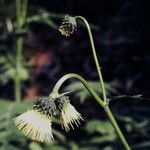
{"points": [[11, 147], [102, 139], [126, 97], [103, 127], [16, 108], [74, 146], [50, 23], [55, 147], [108, 148], [59, 135], [8, 132], [8, 70], [4, 135], [3, 104], [3, 124], [89, 148], [81, 92], [35, 146], [144, 145], [44, 17]]}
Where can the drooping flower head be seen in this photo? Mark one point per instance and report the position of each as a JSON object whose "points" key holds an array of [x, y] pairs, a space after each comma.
{"points": [[69, 116], [68, 26], [36, 123]]}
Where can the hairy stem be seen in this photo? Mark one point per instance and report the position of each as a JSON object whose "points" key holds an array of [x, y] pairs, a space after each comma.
{"points": [[95, 57], [100, 101]]}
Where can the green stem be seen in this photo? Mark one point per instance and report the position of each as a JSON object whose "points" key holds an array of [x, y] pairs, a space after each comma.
{"points": [[100, 101], [117, 128], [19, 47], [21, 10], [95, 57]]}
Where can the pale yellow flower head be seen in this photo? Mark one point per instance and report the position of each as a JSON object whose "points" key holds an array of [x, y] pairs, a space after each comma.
{"points": [[69, 115], [35, 125]]}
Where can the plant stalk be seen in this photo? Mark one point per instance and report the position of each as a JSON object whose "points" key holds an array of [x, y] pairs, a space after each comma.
{"points": [[21, 11], [95, 58], [97, 98], [19, 47]]}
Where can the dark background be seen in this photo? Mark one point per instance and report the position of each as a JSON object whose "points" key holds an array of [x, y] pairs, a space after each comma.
{"points": [[122, 42]]}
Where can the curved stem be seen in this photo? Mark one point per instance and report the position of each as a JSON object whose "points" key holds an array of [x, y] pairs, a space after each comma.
{"points": [[84, 82], [95, 57], [100, 101]]}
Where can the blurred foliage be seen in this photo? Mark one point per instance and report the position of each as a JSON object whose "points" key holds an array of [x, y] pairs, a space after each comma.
{"points": [[7, 70], [12, 139], [96, 134], [83, 94], [7, 53]]}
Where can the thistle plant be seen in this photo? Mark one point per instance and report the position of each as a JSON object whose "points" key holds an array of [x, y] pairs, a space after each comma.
{"points": [[36, 123], [104, 103]]}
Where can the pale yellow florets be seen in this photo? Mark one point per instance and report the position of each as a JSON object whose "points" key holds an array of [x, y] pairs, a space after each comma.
{"points": [[35, 125], [69, 117]]}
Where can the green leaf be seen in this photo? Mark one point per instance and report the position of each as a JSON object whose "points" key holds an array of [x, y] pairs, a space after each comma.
{"points": [[50, 23], [142, 145], [102, 139], [4, 135], [59, 135], [3, 124], [89, 148], [55, 147], [10, 147], [81, 92], [35, 146], [22, 107], [103, 127], [24, 74]]}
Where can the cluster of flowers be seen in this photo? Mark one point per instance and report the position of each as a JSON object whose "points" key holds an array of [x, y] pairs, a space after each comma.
{"points": [[36, 123]]}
